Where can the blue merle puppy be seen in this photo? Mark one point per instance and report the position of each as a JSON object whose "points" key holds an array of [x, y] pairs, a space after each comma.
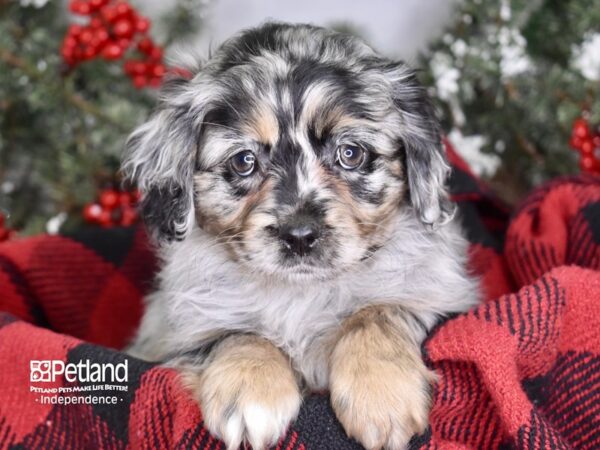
{"points": [[296, 187]]}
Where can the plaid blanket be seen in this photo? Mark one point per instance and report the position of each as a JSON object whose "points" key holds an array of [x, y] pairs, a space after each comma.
{"points": [[520, 371]]}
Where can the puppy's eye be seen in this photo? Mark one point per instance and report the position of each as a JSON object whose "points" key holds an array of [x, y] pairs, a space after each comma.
{"points": [[243, 163], [349, 157]]}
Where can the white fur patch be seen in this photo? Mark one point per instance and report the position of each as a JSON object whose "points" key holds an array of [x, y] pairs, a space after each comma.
{"points": [[259, 425], [203, 292]]}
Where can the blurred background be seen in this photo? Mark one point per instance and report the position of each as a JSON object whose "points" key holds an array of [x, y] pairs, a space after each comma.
{"points": [[515, 84]]}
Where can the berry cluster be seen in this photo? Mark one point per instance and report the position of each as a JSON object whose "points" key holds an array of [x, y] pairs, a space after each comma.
{"points": [[148, 70], [5, 233], [587, 143], [113, 208], [113, 28]]}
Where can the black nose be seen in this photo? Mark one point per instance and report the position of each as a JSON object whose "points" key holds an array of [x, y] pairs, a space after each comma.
{"points": [[299, 239]]}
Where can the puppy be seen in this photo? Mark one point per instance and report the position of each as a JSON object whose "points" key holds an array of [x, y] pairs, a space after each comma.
{"points": [[296, 184]]}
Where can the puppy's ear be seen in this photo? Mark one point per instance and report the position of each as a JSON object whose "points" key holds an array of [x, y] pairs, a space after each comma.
{"points": [[426, 164], [160, 160]]}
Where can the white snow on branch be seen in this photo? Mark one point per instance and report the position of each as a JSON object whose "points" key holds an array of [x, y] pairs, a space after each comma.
{"points": [[586, 57], [513, 54], [34, 3], [459, 48], [505, 11], [446, 76], [446, 84], [54, 223], [469, 147]]}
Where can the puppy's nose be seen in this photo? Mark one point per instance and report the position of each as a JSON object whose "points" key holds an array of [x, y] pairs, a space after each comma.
{"points": [[299, 239]]}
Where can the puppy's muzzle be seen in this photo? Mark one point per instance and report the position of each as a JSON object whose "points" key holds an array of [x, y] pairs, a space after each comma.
{"points": [[299, 238]]}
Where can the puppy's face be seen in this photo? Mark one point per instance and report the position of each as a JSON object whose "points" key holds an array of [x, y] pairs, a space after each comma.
{"points": [[298, 176], [293, 150]]}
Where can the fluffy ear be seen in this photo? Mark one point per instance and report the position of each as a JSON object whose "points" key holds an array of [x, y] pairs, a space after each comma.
{"points": [[160, 159], [426, 164]]}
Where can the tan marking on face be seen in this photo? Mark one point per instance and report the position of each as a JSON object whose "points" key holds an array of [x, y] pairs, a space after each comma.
{"points": [[252, 201], [236, 223], [344, 121], [262, 125], [378, 381], [395, 168], [312, 102], [367, 220], [335, 119]]}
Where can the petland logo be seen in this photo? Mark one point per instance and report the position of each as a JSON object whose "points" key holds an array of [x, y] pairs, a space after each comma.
{"points": [[82, 372]]}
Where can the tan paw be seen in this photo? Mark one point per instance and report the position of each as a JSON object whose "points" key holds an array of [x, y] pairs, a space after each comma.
{"points": [[248, 393], [379, 389]]}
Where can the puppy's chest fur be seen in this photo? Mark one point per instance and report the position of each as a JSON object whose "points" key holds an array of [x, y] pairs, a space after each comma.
{"points": [[204, 295]]}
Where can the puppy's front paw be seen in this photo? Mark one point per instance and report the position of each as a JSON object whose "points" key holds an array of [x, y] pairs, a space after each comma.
{"points": [[247, 393], [379, 392], [382, 407]]}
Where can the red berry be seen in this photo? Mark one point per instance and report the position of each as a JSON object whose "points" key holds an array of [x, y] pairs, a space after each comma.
{"points": [[124, 43], [158, 71], [101, 35], [74, 30], [155, 82], [145, 45], [80, 7], [89, 52], [96, 23], [139, 81], [74, 5], [109, 13], [587, 147], [129, 216], [123, 9], [149, 65], [129, 66], [586, 163], [96, 45], [97, 4], [5, 235], [140, 68], [142, 25], [124, 198], [105, 218], [69, 42], [581, 128], [86, 36], [109, 199], [123, 28], [156, 53], [112, 51], [92, 212], [575, 142], [596, 140]]}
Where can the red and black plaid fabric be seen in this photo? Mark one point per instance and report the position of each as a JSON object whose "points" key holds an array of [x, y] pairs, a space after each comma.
{"points": [[520, 371]]}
